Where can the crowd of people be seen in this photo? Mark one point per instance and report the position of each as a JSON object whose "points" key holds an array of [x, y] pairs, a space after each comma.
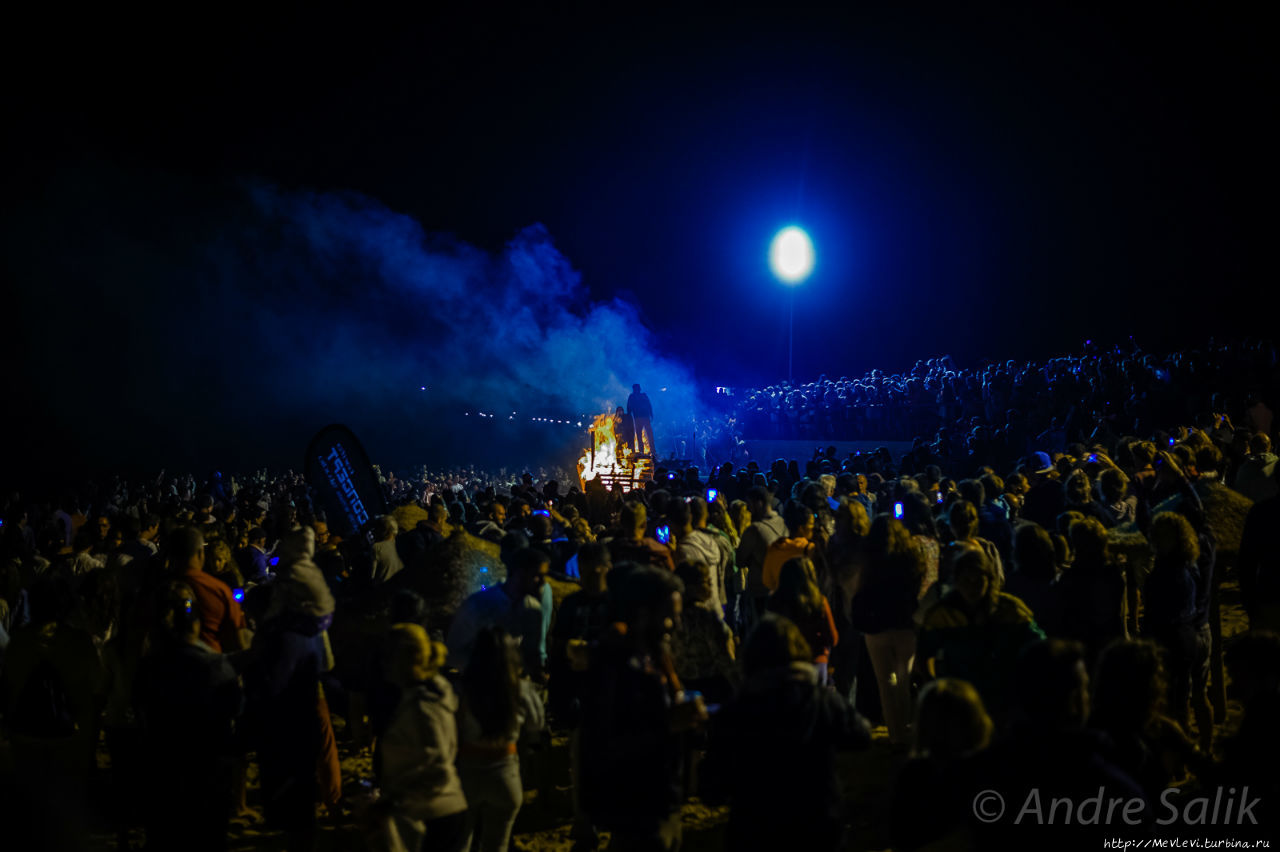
{"points": [[722, 634], [1018, 406]]}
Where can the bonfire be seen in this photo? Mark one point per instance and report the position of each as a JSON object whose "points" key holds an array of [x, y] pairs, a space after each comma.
{"points": [[610, 461]]}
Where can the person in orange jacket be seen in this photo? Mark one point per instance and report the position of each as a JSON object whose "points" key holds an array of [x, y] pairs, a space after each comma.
{"points": [[797, 544]]}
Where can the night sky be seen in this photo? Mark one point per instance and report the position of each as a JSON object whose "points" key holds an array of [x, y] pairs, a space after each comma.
{"points": [[209, 227]]}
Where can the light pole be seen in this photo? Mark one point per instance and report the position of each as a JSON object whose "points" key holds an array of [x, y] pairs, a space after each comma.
{"points": [[791, 258]]}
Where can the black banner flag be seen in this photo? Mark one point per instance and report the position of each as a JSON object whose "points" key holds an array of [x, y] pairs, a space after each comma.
{"points": [[346, 484]]}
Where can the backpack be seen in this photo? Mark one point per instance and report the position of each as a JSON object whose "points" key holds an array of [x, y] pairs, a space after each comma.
{"points": [[43, 708]]}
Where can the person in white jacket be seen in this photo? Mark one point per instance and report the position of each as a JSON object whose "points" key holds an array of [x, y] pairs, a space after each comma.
{"points": [[420, 785]]}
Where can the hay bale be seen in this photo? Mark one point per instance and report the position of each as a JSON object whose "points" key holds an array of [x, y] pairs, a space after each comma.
{"points": [[1131, 548], [1224, 511], [561, 589], [408, 516], [453, 569]]}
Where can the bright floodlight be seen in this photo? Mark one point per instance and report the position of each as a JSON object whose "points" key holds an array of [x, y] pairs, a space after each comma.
{"points": [[791, 255]]}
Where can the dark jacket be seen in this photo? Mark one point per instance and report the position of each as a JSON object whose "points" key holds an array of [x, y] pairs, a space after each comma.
{"points": [[283, 698], [1259, 559], [1043, 503], [887, 600], [1169, 600], [632, 764], [638, 405], [983, 653], [1091, 601], [1052, 764], [772, 754]]}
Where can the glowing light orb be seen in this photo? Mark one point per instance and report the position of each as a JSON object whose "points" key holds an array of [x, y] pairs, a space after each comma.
{"points": [[791, 255]]}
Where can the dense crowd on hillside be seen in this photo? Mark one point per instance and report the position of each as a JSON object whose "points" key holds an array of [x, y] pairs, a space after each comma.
{"points": [[1018, 406], [1033, 605]]}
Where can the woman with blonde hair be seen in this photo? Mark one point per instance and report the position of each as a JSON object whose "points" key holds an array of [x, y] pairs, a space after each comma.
{"points": [[740, 515], [221, 565], [718, 516], [421, 792]]}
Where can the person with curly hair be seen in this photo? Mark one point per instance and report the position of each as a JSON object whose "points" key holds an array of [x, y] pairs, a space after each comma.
{"points": [[1170, 618]]}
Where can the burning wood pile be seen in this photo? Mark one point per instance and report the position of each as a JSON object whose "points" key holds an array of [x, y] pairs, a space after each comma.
{"points": [[611, 459]]}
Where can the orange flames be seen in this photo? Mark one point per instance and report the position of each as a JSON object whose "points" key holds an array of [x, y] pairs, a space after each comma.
{"points": [[604, 458]]}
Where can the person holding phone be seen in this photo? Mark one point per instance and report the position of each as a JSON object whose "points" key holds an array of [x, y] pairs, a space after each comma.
{"points": [[632, 545]]}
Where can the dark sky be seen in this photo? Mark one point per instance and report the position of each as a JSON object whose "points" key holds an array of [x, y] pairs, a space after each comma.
{"points": [[984, 184]]}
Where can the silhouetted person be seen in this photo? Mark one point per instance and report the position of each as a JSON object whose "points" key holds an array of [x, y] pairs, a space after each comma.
{"points": [[624, 430], [188, 698], [772, 750], [931, 798], [1050, 754], [641, 410], [634, 717]]}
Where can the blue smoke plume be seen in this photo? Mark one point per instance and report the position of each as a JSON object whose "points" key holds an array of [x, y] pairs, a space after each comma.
{"points": [[247, 320]]}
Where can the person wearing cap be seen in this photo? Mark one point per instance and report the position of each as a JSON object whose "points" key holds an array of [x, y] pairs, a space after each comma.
{"points": [[1045, 499]]}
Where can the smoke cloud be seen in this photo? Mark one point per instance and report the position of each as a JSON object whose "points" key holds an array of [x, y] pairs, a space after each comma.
{"points": [[232, 325]]}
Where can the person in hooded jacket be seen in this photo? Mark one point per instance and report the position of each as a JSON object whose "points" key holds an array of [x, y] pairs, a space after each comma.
{"points": [[421, 790], [295, 746]]}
